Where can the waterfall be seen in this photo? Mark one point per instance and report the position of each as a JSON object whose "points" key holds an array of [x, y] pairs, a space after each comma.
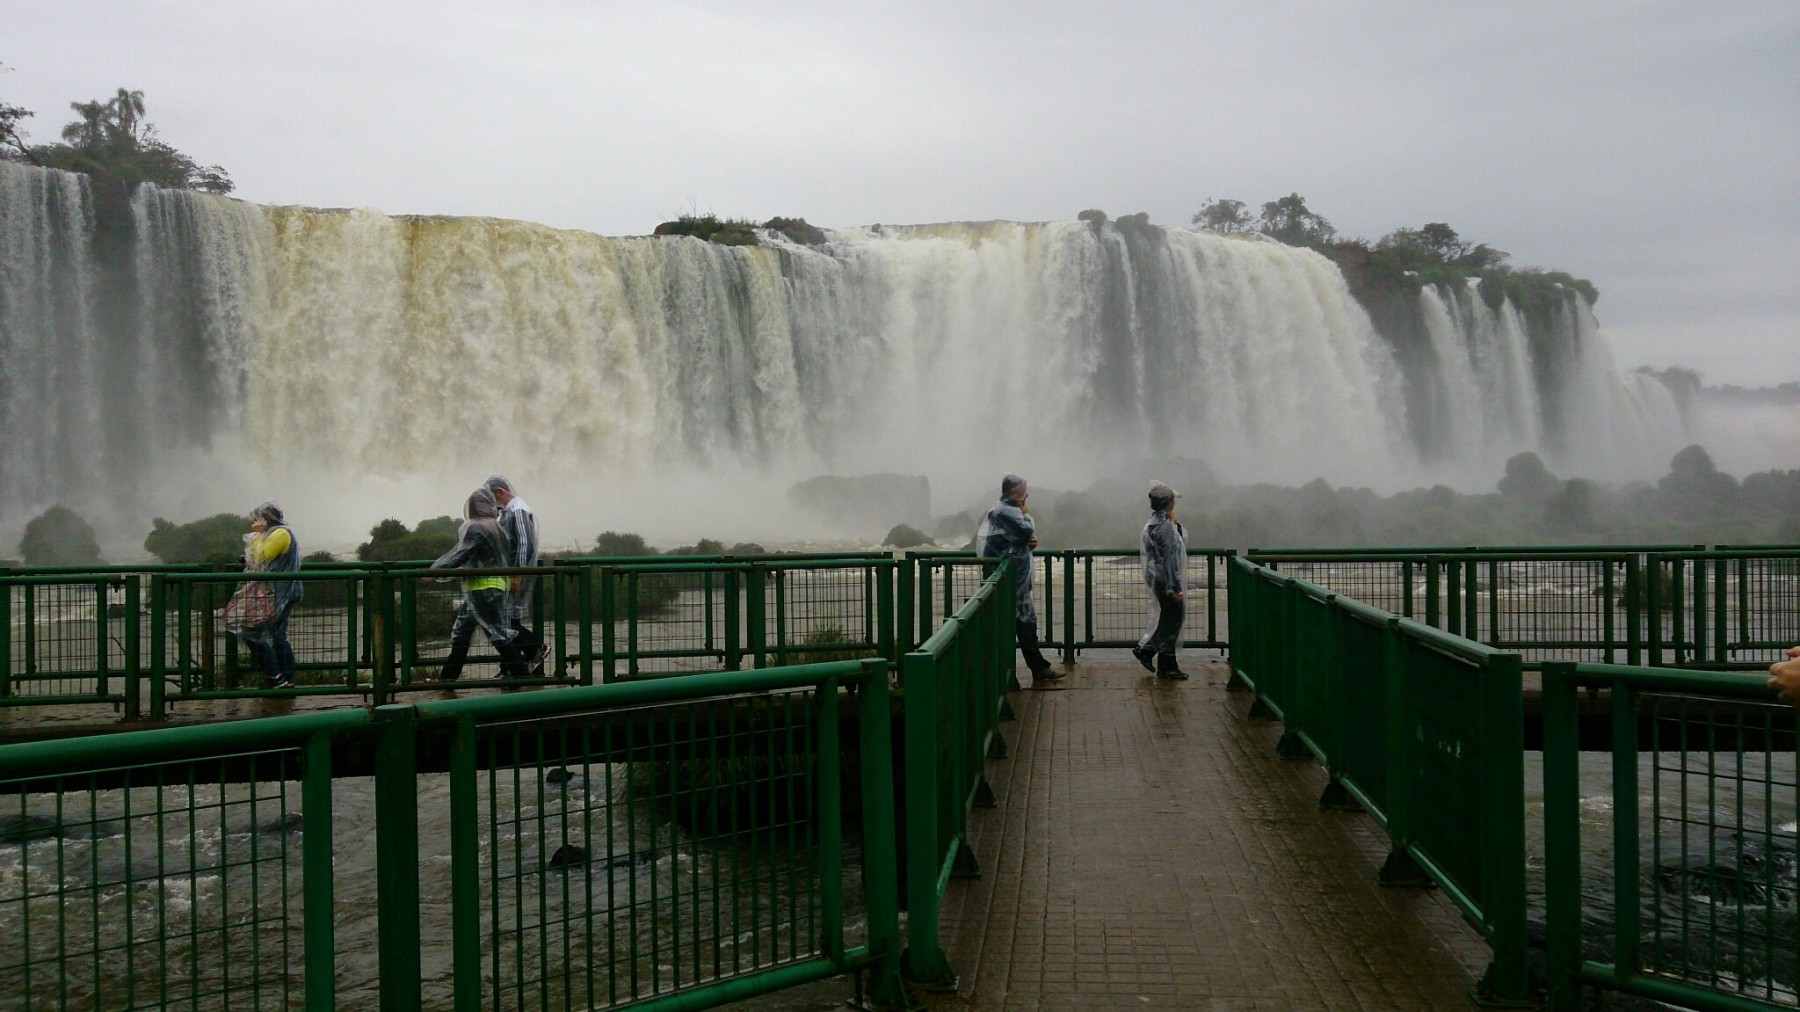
{"points": [[208, 350]]}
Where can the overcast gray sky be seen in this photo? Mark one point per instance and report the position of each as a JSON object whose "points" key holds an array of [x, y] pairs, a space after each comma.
{"points": [[1651, 147]]}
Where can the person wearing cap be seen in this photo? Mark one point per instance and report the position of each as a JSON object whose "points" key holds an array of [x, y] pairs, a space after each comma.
{"points": [[1008, 532], [1163, 550], [520, 525], [272, 548]]}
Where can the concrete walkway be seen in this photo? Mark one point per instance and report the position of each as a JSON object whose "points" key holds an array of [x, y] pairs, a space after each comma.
{"points": [[1150, 851]]}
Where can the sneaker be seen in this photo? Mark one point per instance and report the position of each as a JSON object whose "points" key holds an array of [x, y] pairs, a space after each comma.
{"points": [[536, 667], [1173, 675], [1145, 657], [1048, 675], [279, 682]]}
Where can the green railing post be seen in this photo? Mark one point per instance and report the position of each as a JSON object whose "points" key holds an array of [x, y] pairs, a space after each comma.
{"points": [[381, 635], [886, 635], [609, 633], [881, 864], [5, 641], [318, 899], [1501, 728], [926, 625], [924, 960], [465, 869], [1432, 612], [397, 858], [1562, 836], [831, 826], [1069, 637], [904, 604], [584, 622], [1625, 827], [133, 661], [102, 652], [1653, 609], [1399, 869], [1634, 610], [755, 614], [734, 619], [159, 646]]}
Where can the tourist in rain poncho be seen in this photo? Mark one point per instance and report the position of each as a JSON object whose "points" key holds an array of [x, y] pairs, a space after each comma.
{"points": [[1008, 532], [1163, 551], [481, 544], [520, 525], [271, 547]]}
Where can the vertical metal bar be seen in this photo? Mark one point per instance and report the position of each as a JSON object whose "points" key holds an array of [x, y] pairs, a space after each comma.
{"points": [[1609, 626], [133, 662], [1493, 602], [381, 634], [355, 589], [159, 631], [755, 607], [1432, 566], [780, 579], [465, 869], [1501, 723], [886, 637], [1087, 608], [710, 643], [1071, 641], [633, 605], [609, 636], [28, 595], [397, 859], [1562, 835], [905, 605], [734, 643], [320, 946], [1678, 609], [1625, 826], [1634, 610], [924, 956], [102, 653], [6, 593]]}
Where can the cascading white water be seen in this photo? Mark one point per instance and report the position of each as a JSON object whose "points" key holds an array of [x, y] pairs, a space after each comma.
{"points": [[379, 364]]}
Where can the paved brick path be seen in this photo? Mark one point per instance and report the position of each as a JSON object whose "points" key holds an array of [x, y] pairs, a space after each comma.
{"points": [[1149, 851]]}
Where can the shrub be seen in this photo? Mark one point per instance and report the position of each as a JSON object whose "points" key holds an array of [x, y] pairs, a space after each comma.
{"points": [[390, 541], [712, 228], [59, 537], [215, 540]]}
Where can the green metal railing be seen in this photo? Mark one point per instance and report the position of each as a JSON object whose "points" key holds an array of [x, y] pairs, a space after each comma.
{"points": [[69, 638], [674, 843], [955, 687], [1086, 599], [1422, 729], [1652, 605], [1697, 800]]}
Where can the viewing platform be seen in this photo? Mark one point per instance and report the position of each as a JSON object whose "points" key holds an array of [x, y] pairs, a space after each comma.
{"points": [[1150, 851]]}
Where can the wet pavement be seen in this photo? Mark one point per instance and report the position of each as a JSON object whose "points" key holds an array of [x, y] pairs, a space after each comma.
{"points": [[1150, 851]]}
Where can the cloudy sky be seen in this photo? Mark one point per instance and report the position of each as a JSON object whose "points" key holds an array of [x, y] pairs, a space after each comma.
{"points": [[1651, 147]]}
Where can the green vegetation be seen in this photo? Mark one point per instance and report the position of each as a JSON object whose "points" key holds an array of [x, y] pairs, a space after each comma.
{"points": [[60, 537], [1403, 261], [1695, 503], [390, 541], [112, 141], [217, 540], [741, 231], [830, 643], [712, 228]]}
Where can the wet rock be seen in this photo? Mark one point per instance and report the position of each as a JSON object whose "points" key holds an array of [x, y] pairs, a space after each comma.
{"points": [[567, 855], [560, 775], [1748, 869], [287, 822], [29, 828]]}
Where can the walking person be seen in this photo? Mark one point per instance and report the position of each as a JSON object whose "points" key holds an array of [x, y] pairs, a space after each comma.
{"points": [[1008, 532], [481, 544], [271, 547], [520, 525], [1163, 550]]}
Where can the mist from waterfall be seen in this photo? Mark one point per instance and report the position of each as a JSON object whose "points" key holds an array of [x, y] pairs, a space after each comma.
{"points": [[358, 365]]}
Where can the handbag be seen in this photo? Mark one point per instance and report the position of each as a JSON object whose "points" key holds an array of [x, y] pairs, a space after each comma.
{"points": [[252, 606]]}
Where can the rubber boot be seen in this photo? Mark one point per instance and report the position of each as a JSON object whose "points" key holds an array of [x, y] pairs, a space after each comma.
{"points": [[1167, 668]]}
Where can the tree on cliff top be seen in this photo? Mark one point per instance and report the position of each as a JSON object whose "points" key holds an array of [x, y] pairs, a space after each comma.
{"points": [[112, 141]]}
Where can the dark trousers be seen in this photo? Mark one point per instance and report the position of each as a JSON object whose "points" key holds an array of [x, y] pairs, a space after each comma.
{"points": [[270, 648], [1166, 637], [1028, 647], [487, 609]]}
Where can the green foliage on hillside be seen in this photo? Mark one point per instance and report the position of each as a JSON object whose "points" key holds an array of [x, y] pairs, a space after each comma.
{"points": [[214, 540], [390, 541], [112, 141], [59, 537], [1695, 503], [712, 228]]}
